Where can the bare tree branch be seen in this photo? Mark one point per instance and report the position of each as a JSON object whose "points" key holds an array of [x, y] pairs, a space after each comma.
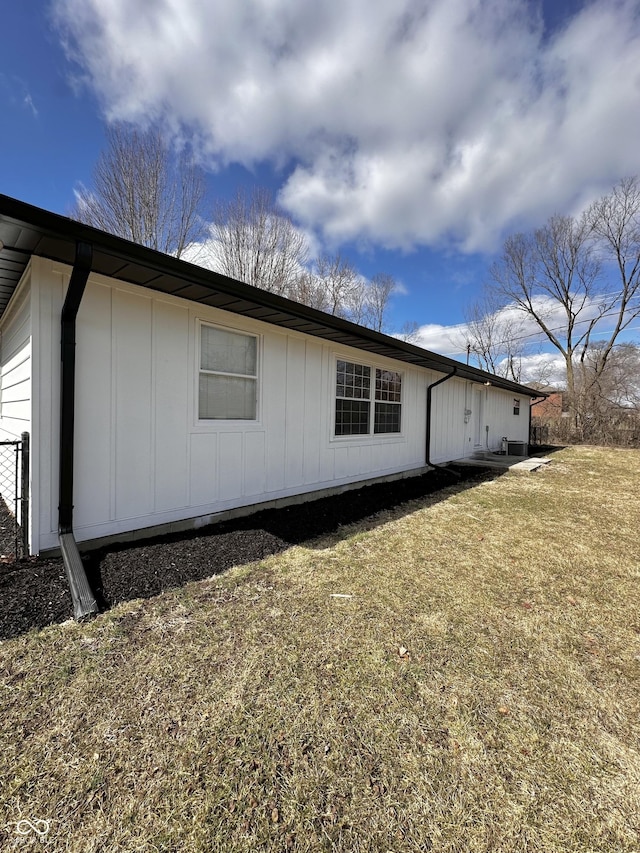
{"points": [[410, 332], [254, 242], [551, 275], [144, 192], [378, 293], [572, 272], [615, 221], [493, 335]]}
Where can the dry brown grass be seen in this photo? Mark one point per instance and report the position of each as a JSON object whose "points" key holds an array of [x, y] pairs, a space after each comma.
{"points": [[479, 690]]}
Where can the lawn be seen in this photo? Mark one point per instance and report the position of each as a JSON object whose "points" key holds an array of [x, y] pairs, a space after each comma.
{"points": [[461, 673]]}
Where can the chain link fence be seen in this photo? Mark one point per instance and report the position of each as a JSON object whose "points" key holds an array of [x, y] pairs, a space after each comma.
{"points": [[14, 491]]}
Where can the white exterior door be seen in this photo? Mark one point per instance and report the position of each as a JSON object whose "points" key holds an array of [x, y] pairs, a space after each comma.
{"points": [[478, 417]]}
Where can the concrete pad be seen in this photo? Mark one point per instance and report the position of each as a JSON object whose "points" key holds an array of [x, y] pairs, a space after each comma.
{"points": [[530, 464], [500, 463]]}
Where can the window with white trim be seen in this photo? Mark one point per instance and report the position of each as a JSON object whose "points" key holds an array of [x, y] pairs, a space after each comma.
{"points": [[228, 380], [516, 406], [358, 389]]}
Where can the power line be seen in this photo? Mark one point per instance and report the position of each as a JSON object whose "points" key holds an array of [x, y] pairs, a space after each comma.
{"points": [[559, 329]]}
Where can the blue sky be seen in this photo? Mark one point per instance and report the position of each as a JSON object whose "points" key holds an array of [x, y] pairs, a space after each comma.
{"points": [[412, 136]]}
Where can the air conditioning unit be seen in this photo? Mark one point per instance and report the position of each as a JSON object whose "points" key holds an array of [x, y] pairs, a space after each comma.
{"points": [[517, 448]]}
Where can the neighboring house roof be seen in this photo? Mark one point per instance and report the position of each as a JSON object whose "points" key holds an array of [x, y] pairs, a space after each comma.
{"points": [[26, 230]]}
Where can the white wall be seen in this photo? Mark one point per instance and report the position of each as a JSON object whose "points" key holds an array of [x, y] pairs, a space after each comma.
{"points": [[142, 456], [15, 385], [15, 361], [461, 413]]}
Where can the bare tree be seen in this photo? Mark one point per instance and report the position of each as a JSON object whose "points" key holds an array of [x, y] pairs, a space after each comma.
{"points": [[560, 276], [610, 396], [377, 295], [494, 336], [618, 385], [254, 242], [347, 294], [309, 291], [552, 277], [615, 223], [410, 332], [144, 192], [624, 372], [340, 282]]}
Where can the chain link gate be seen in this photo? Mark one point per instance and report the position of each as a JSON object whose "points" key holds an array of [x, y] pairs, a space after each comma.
{"points": [[14, 491]]}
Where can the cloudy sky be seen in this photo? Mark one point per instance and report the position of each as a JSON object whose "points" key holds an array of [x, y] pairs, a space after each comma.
{"points": [[412, 135]]}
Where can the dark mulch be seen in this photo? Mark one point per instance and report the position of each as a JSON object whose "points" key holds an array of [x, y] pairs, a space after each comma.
{"points": [[34, 592]]}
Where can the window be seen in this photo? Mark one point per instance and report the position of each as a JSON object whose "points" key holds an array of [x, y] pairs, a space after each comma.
{"points": [[355, 393], [516, 406], [228, 375]]}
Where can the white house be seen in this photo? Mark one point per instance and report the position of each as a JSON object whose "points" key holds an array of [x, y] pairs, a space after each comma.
{"points": [[188, 394]]}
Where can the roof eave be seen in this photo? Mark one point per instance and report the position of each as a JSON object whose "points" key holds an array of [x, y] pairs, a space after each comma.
{"points": [[39, 232]]}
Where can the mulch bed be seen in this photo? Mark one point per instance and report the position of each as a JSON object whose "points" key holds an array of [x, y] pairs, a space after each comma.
{"points": [[34, 592]]}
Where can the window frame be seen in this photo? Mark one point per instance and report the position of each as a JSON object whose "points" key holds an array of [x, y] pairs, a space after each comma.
{"points": [[199, 370], [516, 405], [372, 400]]}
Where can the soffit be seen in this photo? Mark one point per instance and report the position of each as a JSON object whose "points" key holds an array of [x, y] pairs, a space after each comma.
{"points": [[27, 231]]}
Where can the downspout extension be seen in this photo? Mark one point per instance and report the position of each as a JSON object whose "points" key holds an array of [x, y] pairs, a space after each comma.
{"points": [[84, 602], [430, 388]]}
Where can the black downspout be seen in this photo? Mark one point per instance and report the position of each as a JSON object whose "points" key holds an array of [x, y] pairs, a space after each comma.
{"points": [[430, 388], [531, 402], [84, 602]]}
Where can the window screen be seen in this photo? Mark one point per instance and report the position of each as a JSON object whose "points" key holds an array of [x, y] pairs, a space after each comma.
{"points": [[228, 375]]}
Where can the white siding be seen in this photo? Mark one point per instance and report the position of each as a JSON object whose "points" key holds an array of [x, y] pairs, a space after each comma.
{"points": [[501, 419], [461, 413], [142, 456], [448, 428], [15, 384], [15, 361]]}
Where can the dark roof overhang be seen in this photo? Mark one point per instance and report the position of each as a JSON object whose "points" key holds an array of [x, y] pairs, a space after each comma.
{"points": [[26, 230]]}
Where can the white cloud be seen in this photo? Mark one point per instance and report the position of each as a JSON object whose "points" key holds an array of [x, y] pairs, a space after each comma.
{"points": [[15, 91], [446, 340], [538, 360], [28, 103], [546, 367], [452, 340], [543, 367], [406, 123]]}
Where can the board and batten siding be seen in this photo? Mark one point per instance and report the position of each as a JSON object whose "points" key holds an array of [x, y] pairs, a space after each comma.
{"points": [[15, 382], [15, 361], [142, 457], [461, 413]]}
